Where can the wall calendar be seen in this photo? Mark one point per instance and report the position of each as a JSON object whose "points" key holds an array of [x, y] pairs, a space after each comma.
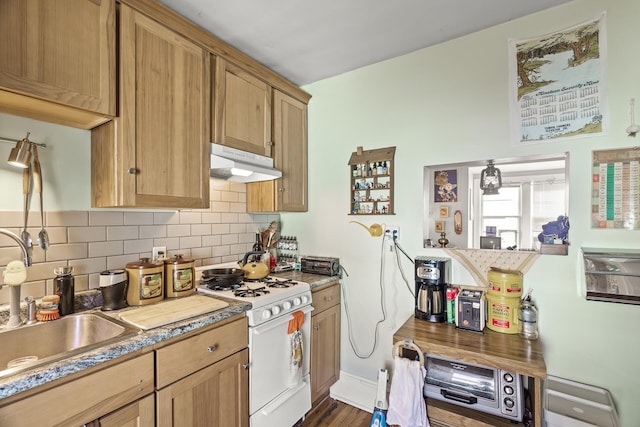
{"points": [[615, 189]]}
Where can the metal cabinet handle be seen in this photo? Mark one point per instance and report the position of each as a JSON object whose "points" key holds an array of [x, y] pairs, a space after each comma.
{"points": [[245, 366], [269, 143], [316, 328], [328, 298], [211, 348], [281, 189], [132, 171]]}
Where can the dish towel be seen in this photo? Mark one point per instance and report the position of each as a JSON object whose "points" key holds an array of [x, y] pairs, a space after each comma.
{"points": [[407, 407], [295, 348]]}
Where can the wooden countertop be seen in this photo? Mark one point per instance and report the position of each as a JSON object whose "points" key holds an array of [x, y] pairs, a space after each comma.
{"points": [[489, 348]]}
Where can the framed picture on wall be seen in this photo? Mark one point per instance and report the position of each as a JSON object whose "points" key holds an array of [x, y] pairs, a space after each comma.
{"points": [[445, 184], [439, 226], [443, 211]]}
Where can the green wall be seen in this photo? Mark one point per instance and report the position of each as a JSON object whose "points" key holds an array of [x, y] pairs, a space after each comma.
{"points": [[446, 104]]}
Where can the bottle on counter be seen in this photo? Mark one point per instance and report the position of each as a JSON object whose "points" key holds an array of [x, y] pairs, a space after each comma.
{"points": [[64, 285], [451, 303], [528, 320]]}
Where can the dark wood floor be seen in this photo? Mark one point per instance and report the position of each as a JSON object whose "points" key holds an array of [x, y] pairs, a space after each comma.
{"points": [[333, 413]]}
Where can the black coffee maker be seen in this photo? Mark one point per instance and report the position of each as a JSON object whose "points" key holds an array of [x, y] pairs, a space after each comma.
{"points": [[432, 276]]}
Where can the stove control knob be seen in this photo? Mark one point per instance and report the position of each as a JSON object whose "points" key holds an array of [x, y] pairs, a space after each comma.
{"points": [[266, 314], [275, 310], [305, 299], [287, 304], [296, 301]]}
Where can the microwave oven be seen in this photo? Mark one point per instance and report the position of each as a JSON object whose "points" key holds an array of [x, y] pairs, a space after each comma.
{"points": [[491, 390]]}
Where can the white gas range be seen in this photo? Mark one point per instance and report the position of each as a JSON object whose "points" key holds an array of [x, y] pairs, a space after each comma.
{"points": [[276, 397]]}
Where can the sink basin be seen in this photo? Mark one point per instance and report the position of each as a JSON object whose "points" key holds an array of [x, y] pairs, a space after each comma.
{"points": [[30, 346]]}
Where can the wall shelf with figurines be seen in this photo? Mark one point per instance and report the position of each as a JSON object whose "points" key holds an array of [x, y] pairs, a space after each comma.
{"points": [[371, 181]]}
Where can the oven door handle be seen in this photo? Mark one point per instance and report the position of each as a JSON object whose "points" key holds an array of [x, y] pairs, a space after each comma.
{"points": [[267, 326], [469, 400]]}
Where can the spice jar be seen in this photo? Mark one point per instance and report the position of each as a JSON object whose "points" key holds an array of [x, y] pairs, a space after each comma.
{"points": [[528, 320]]}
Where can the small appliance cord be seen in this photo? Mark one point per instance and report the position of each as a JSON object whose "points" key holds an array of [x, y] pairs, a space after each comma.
{"points": [[382, 306]]}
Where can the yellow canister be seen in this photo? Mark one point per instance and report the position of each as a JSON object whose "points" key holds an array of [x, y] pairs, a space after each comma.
{"points": [[146, 282], [507, 283], [179, 277], [502, 313]]}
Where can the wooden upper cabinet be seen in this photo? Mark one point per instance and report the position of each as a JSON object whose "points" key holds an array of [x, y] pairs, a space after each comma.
{"points": [[61, 51], [242, 109], [156, 154], [289, 193]]}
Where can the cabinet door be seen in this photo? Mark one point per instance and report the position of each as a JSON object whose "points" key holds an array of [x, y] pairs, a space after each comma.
{"points": [[242, 111], [138, 414], [156, 154], [325, 351], [289, 193], [62, 51], [217, 395]]}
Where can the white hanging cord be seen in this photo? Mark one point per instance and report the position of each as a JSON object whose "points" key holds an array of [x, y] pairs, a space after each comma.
{"points": [[378, 323]]}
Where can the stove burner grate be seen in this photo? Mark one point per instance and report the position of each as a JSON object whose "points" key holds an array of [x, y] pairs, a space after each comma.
{"points": [[250, 293], [279, 283], [221, 286]]}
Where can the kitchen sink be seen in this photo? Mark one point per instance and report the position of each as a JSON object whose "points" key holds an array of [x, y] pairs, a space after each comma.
{"points": [[30, 346]]}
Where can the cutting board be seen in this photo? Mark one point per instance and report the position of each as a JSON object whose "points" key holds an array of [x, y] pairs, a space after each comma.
{"points": [[170, 311]]}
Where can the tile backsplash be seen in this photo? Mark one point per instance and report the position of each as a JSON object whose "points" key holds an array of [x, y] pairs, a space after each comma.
{"points": [[96, 240]]}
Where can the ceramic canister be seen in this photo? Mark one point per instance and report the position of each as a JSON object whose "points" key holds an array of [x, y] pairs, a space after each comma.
{"points": [[146, 282], [179, 277]]}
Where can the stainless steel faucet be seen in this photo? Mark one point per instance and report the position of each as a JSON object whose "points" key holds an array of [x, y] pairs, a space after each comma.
{"points": [[25, 250]]}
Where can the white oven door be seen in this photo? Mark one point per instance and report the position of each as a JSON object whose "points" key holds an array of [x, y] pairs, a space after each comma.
{"points": [[269, 359]]}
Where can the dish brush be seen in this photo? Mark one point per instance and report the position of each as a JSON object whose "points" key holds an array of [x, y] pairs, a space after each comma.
{"points": [[49, 308]]}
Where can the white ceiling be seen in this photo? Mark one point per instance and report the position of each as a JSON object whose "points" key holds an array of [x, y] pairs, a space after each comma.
{"points": [[306, 41]]}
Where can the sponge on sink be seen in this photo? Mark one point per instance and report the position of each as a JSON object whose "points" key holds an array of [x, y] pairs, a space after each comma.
{"points": [[15, 274]]}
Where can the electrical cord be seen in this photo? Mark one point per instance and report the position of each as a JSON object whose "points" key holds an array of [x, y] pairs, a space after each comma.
{"points": [[397, 246], [382, 306]]}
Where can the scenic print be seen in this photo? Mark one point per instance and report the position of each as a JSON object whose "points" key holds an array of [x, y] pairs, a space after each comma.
{"points": [[557, 87]]}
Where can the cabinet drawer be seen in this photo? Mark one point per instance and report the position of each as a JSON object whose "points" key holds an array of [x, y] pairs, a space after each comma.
{"points": [[84, 399], [326, 298], [182, 358]]}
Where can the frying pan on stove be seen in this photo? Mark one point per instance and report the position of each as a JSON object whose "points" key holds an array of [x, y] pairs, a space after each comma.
{"points": [[222, 276]]}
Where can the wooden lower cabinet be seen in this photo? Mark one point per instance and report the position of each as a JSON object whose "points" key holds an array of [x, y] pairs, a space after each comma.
{"points": [[325, 340], [86, 398], [217, 395], [203, 380], [137, 414]]}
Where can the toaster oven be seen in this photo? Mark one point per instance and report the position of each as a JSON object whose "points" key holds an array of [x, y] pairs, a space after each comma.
{"points": [[491, 390]]}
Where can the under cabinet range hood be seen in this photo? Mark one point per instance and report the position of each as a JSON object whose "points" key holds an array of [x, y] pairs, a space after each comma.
{"points": [[241, 166]]}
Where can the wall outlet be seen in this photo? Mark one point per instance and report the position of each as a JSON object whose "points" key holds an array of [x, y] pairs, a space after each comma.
{"points": [[158, 253], [391, 232]]}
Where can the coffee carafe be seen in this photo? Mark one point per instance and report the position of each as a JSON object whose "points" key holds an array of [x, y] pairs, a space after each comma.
{"points": [[432, 276]]}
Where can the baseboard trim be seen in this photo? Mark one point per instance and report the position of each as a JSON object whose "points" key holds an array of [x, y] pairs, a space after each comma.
{"points": [[355, 391]]}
